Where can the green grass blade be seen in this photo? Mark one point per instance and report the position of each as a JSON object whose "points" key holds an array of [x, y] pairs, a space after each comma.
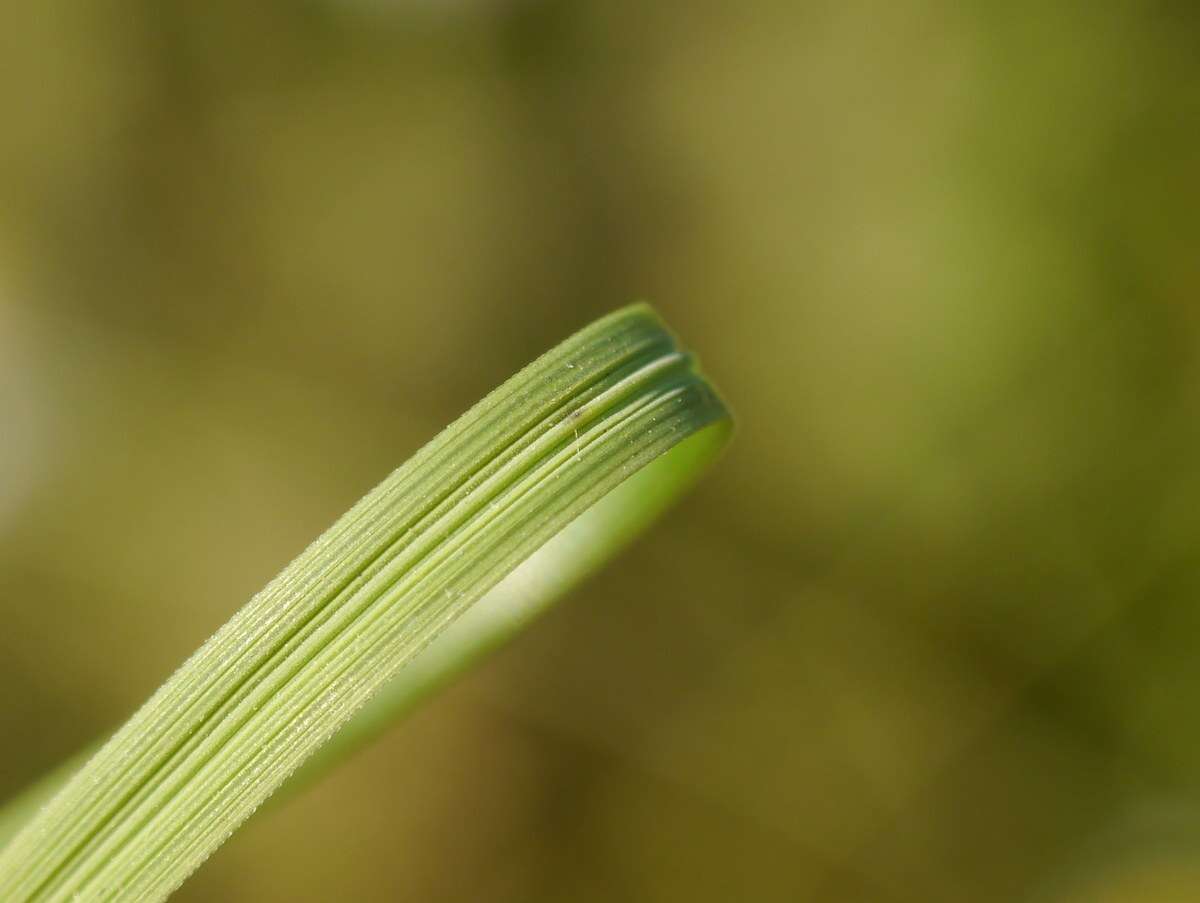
{"points": [[527, 491]]}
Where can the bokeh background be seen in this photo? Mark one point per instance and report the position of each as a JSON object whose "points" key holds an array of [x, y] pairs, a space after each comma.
{"points": [[930, 630]]}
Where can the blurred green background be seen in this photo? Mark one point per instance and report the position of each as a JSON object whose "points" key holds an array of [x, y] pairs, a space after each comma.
{"points": [[929, 632]]}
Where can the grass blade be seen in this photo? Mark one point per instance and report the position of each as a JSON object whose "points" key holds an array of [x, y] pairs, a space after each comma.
{"points": [[527, 491]]}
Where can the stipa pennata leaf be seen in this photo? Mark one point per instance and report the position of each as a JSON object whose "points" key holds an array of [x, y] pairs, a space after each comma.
{"points": [[529, 489]]}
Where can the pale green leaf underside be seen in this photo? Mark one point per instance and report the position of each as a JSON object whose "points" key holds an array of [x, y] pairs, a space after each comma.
{"points": [[526, 492]]}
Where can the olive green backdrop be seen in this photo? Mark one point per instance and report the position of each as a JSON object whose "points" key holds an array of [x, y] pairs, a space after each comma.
{"points": [[930, 630]]}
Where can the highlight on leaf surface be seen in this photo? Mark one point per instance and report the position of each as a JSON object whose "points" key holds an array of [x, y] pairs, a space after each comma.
{"points": [[529, 490]]}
